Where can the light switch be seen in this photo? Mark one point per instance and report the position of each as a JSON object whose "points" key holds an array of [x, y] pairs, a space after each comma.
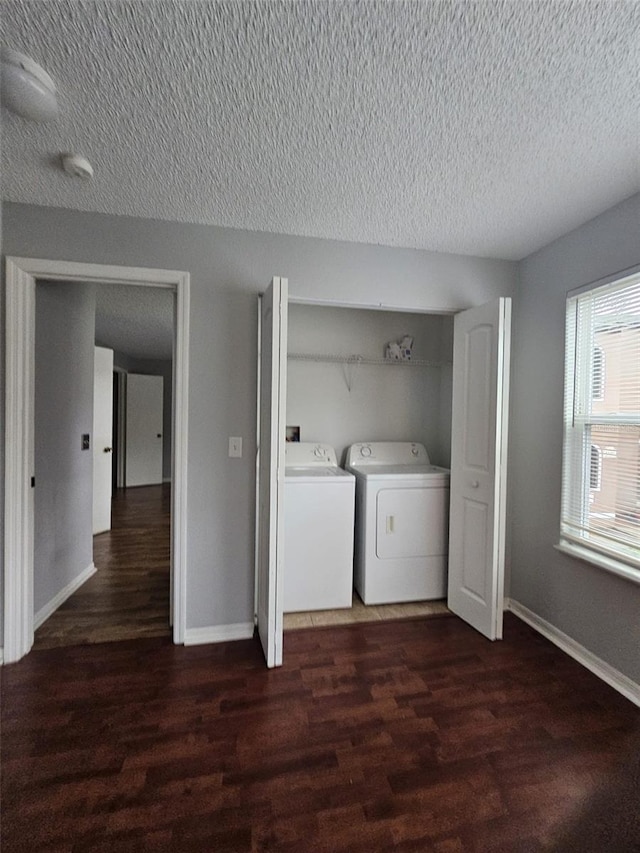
{"points": [[235, 446]]}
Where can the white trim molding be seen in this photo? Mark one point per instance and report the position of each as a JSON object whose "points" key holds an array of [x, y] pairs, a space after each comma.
{"points": [[18, 456], [21, 275], [613, 677], [51, 606], [219, 634]]}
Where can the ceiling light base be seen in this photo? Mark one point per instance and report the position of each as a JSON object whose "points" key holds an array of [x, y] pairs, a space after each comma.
{"points": [[27, 89]]}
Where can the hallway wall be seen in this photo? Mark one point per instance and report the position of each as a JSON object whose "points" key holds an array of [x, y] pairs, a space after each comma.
{"points": [[63, 499]]}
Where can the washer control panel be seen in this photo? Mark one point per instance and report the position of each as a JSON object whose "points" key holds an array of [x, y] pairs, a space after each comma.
{"points": [[300, 454]]}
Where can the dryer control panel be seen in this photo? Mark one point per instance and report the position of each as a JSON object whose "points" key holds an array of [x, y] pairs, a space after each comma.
{"points": [[387, 453]]}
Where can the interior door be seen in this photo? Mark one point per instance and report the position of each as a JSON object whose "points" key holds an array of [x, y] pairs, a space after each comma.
{"points": [[272, 370], [144, 430], [102, 438], [478, 465]]}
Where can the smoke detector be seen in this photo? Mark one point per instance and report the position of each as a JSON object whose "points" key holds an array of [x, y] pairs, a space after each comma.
{"points": [[77, 166], [27, 89]]}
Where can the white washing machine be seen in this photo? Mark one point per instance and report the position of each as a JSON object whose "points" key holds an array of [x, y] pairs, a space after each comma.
{"points": [[319, 507], [402, 522]]}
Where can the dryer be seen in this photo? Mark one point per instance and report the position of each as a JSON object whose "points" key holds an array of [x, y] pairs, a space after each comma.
{"points": [[402, 522], [319, 506]]}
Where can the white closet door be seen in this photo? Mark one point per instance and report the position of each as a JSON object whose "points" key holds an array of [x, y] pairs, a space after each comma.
{"points": [[102, 438], [272, 369], [478, 465], [144, 430]]}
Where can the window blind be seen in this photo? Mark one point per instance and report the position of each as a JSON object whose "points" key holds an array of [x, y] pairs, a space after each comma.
{"points": [[601, 460]]}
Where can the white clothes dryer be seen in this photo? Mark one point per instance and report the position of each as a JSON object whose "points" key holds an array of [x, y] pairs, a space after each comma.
{"points": [[319, 507], [402, 522]]}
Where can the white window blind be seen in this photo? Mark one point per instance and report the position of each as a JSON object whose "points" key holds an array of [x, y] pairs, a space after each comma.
{"points": [[601, 462]]}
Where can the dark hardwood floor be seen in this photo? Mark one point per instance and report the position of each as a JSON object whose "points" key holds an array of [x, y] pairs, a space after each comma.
{"points": [[415, 735], [128, 597]]}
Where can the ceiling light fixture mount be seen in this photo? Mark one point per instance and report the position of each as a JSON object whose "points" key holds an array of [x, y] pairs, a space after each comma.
{"points": [[27, 89]]}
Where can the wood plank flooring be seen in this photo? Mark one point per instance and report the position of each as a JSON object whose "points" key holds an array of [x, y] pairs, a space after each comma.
{"points": [[128, 597], [414, 735]]}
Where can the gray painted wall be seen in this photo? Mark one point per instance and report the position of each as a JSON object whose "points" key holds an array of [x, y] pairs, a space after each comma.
{"points": [[228, 269], [63, 500], [598, 609]]}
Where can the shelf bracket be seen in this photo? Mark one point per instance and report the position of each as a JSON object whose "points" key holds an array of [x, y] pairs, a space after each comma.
{"points": [[350, 370]]}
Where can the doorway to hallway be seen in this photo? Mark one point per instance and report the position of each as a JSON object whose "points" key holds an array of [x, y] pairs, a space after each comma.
{"points": [[20, 285]]}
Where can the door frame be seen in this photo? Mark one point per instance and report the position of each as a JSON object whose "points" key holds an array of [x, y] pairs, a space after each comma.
{"points": [[20, 277], [120, 379]]}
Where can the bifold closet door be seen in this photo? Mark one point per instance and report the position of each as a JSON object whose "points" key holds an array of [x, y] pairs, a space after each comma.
{"points": [[272, 393], [479, 465]]}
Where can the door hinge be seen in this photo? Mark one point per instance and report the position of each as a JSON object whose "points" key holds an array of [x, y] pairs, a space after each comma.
{"points": [[33, 482]]}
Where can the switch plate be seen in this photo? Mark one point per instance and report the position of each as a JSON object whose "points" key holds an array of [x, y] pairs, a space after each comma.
{"points": [[235, 446]]}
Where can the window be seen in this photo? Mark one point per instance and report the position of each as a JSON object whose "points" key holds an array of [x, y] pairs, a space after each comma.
{"points": [[601, 462], [598, 373], [595, 471]]}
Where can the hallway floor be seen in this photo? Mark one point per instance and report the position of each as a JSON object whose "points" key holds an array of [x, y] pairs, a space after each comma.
{"points": [[128, 597]]}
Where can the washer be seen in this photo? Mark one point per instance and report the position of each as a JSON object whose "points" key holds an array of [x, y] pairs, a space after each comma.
{"points": [[319, 508], [402, 522]]}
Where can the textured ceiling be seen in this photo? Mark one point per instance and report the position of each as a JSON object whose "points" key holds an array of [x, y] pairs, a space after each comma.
{"points": [[136, 321], [485, 128]]}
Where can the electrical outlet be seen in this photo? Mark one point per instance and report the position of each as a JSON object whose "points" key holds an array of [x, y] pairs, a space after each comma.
{"points": [[235, 446]]}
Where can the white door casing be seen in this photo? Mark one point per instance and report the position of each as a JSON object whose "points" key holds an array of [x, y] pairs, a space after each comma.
{"points": [[120, 379], [102, 438], [479, 465], [20, 280], [143, 465], [272, 358]]}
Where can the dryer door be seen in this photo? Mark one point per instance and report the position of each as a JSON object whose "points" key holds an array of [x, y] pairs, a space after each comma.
{"points": [[411, 522]]}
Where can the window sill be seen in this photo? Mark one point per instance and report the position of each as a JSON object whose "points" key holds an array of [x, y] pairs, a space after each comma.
{"points": [[608, 563]]}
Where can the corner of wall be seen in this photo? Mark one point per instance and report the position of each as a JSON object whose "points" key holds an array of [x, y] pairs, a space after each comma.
{"points": [[607, 673]]}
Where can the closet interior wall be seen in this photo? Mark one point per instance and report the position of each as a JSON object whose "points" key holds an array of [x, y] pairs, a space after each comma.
{"points": [[340, 403]]}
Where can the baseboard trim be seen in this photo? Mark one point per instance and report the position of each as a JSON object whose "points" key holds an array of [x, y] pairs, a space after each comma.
{"points": [[613, 677], [43, 614], [218, 634]]}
